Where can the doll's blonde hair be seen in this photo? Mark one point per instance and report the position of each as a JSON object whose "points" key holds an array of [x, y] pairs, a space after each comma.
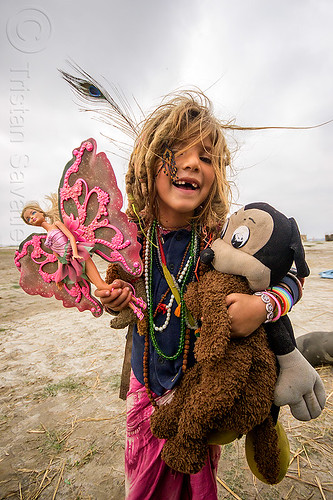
{"points": [[52, 213], [185, 119]]}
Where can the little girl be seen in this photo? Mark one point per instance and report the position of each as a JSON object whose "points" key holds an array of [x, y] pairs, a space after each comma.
{"points": [[177, 186]]}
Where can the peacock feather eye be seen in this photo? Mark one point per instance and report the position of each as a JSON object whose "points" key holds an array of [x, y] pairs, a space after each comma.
{"points": [[94, 91]]}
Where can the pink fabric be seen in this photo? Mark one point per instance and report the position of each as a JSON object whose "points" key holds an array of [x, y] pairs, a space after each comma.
{"points": [[147, 476], [56, 240], [73, 269]]}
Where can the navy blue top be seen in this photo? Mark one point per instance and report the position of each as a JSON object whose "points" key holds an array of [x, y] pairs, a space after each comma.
{"points": [[165, 374]]}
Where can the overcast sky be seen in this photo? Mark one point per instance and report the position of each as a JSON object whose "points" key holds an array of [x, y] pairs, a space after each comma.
{"points": [[260, 62]]}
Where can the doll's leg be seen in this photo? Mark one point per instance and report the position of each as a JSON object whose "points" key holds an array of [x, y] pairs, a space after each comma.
{"points": [[94, 276]]}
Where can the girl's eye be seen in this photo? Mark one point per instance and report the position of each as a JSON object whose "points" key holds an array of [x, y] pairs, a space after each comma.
{"points": [[206, 159], [240, 236], [224, 228]]}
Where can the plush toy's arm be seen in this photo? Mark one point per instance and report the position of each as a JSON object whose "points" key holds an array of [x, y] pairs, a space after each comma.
{"points": [[280, 336], [298, 384]]}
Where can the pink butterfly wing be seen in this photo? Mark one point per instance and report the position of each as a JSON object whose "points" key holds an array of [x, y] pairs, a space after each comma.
{"points": [[90, 203], [38, 266]]}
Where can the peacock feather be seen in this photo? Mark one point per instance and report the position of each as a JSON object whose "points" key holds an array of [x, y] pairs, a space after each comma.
{"points": [[115, 111]]}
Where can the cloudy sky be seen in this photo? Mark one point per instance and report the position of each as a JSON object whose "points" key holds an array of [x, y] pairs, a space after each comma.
{"points": [[261, 63]]}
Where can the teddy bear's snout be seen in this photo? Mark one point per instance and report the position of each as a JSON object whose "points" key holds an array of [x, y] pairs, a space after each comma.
{"points": [[207, 255]]}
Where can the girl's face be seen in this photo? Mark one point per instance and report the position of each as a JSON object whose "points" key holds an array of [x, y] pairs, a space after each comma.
{"points": [[179, 197], [33, 217]]}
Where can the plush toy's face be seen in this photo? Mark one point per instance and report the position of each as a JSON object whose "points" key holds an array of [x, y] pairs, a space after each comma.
{"points": [[244, 234]]}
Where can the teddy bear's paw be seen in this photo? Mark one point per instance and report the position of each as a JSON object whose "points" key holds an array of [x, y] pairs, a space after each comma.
{"points": [[187, 457], [122, 320], [162, 425]]}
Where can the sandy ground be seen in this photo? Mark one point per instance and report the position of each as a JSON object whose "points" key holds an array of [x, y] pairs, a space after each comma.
{"points": [[62, 425]]}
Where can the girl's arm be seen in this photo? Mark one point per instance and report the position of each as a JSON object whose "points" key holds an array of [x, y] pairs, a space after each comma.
{"points": [[71, 238], [248, 312], [57, 255]]}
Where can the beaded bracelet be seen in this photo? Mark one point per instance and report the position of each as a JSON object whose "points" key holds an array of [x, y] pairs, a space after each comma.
{"points": [[277, 309], [265, 297]]}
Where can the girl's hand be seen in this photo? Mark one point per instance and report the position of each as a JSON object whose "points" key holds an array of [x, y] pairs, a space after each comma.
{"points": [[117, 297], [247, 313], [77, 256]]}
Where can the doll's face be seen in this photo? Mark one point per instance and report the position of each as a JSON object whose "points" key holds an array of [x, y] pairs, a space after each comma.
{"points": [[33, 217]]}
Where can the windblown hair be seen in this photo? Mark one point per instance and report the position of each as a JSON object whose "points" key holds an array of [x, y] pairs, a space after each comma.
{"points": [[52, 213], [185, 119]]}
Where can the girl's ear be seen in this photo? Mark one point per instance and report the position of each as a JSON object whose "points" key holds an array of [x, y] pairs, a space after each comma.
{"points": [[299, 255]]}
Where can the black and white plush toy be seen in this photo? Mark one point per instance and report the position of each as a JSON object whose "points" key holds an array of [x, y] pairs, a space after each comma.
{"points": [[261, 243], [231, 388]]}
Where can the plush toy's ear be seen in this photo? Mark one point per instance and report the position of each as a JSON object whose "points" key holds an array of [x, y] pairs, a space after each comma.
{"points": [[297, 247]]}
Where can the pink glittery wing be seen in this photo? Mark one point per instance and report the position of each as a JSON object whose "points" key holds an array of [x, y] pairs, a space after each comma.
{"points": [[90, 204], [38, 266]]}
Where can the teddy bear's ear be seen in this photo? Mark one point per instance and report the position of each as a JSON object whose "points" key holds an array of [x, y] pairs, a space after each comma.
{"points": [[297, 247]]}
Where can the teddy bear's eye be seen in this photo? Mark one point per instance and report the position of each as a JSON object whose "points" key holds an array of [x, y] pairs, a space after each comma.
{"points": [[240, 236], [224, 228]]}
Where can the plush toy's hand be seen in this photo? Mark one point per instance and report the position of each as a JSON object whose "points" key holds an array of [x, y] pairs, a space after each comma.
{"points": [[299, 386]]}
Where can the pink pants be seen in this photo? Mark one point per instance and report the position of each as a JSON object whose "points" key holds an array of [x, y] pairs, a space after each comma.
{"points": [[147, 476]]}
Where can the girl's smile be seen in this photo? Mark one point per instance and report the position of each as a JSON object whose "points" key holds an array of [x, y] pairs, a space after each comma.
{"points": [[178, 197]]}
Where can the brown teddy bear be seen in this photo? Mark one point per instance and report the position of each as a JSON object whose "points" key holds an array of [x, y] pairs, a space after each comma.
{"points": [[231, 386]]}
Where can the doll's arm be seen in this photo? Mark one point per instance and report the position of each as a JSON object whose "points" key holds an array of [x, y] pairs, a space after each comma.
{"points": [[298, 384], [58, 283], [71, 238]]}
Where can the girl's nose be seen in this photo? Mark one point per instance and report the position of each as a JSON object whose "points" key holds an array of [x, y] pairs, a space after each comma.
{"points": [[190, 160]]}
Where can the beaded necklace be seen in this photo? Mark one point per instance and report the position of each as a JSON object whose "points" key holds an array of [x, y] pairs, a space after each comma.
{"points": [[178, 285], [161, 306], [147, 251]]}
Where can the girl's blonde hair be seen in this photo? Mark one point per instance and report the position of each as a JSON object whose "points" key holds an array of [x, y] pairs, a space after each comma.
{"points": [[52, 213], [185, 119]]}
